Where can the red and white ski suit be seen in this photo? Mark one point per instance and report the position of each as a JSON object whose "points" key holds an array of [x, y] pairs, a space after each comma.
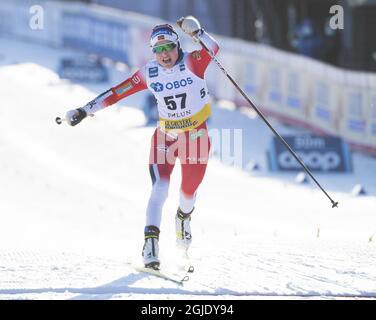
{"points": [[183, 106]]}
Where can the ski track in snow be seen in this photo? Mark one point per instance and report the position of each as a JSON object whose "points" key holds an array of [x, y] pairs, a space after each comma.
{"points": [[273, 271], [73, 203]]}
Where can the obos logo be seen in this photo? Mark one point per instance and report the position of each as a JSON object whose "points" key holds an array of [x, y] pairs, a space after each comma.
{"points": [[178, 84], [158, 87]]}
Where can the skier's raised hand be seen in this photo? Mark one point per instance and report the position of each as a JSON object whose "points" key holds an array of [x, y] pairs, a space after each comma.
{"points": [[190, 25], [75, 116]]}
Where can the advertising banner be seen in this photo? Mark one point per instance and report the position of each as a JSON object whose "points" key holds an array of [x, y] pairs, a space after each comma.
{"points": [[83, 70], [318, 153], [96, 35]]}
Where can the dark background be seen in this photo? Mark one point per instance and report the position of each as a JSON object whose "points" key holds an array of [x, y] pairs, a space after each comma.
{"points": [[277, 23]]}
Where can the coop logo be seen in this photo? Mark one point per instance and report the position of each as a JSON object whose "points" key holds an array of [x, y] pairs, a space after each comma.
{"points": [[318, 153], [158, 87], [327, 161]]}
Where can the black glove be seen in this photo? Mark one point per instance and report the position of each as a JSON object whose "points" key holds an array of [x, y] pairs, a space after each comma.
{"points": [[75, 116]]}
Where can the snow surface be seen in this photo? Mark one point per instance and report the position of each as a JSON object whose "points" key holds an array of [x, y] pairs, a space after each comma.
{"points": [[73, 202]]}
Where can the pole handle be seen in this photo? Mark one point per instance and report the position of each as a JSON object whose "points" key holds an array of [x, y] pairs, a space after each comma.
{"points": [[60, 120]]}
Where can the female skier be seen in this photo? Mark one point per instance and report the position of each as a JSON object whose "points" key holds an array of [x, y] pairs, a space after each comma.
{"points": [[176, 78]]}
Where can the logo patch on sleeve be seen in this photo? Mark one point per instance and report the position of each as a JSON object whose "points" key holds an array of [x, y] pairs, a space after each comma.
{"points": [[136, 79], [196, 55], [124, 88]]}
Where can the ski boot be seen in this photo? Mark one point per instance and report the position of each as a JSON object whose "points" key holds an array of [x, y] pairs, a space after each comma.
{"points": [[183, 229], [151, 248]]}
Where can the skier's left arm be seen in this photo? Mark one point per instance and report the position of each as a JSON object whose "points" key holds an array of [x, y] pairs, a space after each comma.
{"points": [[199, 59]]}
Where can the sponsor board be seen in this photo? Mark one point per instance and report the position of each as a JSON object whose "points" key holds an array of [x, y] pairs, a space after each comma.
{"points": [[82, 70], [318, 153], [96, 35]]}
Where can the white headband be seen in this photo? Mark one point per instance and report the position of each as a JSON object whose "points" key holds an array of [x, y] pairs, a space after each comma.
{"points": [[163, 34]]}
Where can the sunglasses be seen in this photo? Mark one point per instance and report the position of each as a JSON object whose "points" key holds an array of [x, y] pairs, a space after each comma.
{"points": [[167, 46]]}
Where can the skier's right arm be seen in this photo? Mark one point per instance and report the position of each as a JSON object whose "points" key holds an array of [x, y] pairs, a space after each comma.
{"points": [[133, 84]]}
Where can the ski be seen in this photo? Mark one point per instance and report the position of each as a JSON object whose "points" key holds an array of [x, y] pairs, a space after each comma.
{"points": [[164, 275]]}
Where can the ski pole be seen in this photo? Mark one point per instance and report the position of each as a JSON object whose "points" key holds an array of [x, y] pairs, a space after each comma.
{"points": [[334, 203], [59, 120]]}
